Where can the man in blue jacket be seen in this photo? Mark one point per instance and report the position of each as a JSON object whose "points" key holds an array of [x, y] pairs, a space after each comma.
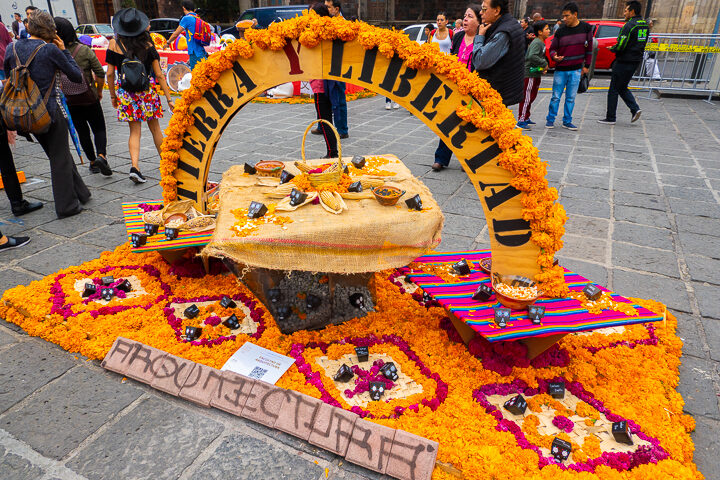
{"points": [[628, 55]]}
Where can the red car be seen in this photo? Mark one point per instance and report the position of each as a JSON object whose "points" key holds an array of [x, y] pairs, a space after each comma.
{"points": [[606, 33]]}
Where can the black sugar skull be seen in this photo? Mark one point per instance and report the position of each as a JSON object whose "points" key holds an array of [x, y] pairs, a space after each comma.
{"points": [[377, 389], [389, 371]]}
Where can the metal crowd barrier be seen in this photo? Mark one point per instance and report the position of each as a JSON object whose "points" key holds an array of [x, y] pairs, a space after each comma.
{"points": [[680, 62]]}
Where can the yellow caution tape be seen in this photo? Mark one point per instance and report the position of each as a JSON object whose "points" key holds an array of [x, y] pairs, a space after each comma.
{"points": [[670, 47]]}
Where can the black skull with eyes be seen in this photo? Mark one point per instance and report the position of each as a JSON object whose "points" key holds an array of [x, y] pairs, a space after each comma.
{"points": [[389, 371], [377, 389]]}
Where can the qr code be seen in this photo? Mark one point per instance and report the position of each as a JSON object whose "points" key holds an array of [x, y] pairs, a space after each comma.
{"points": [[258, 373]]}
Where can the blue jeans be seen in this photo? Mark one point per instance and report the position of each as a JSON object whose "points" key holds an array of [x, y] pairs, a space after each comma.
{"points": [[567, 81], [443, 154], [336, 92], [194, 59]]}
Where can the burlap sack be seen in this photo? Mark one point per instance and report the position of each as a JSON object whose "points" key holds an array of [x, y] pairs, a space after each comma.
{"points": [[367, 237]]}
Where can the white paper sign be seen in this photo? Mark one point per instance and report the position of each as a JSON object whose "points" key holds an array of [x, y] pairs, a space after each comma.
{"points": [[258, 363]]}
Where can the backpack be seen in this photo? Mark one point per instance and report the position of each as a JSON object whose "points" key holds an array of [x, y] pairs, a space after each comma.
{"points": [[21, 106], [133, 75], [203, 31], [77, 93]]}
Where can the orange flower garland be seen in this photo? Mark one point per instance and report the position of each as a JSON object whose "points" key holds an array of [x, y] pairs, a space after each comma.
{"points": [[546, 217]]}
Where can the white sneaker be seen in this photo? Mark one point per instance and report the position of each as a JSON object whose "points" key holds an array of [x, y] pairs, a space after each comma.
{"points": [[388, 105], [395, 106]]}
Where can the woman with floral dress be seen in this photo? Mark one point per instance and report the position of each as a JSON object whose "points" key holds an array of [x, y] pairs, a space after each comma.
{"points": [[132, 40]]}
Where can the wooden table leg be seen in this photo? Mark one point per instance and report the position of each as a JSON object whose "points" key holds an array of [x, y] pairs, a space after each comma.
{"points": [[172, 256], [537, 345], [466, 333]]}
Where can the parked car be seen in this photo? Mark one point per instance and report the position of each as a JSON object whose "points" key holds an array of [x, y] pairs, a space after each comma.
{"points": [[96, 30], [164, 26], [267, 15], [417, 32], [606, 33]]}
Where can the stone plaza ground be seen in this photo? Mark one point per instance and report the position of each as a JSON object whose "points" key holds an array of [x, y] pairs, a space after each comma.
{"points": [[644, 207]]}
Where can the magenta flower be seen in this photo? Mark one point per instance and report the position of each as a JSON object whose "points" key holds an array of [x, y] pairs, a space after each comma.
{"points": [[563, 423]]}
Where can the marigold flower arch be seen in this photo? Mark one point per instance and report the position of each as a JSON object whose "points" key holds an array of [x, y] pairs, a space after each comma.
{"points": [[524, 220]]}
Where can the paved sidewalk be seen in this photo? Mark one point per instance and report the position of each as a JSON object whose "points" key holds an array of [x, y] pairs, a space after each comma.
{"points": [[644, 207]]}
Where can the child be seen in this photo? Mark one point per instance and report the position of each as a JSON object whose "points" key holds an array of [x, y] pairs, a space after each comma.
{"points": [[535, 65]]}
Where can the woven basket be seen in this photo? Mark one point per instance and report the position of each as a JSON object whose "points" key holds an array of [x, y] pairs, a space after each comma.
{"points": [[332, 175]]}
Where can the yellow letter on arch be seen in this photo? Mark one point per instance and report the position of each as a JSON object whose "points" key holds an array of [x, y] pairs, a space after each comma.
{"points": [[428, 95]]}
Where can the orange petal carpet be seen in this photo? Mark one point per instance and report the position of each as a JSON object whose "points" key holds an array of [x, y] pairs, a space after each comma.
{"points": [[628, 373]]}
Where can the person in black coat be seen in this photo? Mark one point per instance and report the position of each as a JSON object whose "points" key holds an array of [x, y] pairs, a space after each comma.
{"points": [[499, 51], [69, 190]]}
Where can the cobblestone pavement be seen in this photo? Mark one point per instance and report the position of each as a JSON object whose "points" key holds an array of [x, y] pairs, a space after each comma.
{"points": [[644, 207]]}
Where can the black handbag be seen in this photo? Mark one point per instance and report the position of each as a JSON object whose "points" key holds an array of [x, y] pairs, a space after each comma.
{"points": [[584, 83]]}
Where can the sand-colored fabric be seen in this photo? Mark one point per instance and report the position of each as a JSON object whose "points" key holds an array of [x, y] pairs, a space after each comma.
{"points": [[366, 237], [195, 222], [405, 386], [601, 428]]}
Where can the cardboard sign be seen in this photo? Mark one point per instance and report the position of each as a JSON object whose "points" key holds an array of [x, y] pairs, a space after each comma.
{"points": [[401, 454], [258, 363]]}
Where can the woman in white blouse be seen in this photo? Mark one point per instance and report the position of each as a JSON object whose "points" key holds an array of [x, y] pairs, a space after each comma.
{"points": [[443, 36]]}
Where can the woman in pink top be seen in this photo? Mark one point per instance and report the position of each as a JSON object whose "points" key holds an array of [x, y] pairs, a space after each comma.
{"points": [[462, 46]]}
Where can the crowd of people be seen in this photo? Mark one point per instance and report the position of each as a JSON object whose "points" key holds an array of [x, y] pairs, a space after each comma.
{"points": [[487, 40], [511, 55], [69, 81]]}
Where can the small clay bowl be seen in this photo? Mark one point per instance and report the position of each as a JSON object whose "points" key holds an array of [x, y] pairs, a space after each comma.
{"points": [[515, 303], [175, 217], [387, 195], [269, 168], [485, 264]]}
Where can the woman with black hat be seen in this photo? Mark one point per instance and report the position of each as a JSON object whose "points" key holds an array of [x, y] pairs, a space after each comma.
{"points": [[132, 42], [84, 97]]}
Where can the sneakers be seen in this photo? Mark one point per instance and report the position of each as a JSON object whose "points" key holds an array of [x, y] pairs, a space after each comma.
{"points": [[136, 176], [23, 206], [549, 124], [530, 122], [94, 168], [102, 165], [636, 116], [395, 106], [388, 105], [14, 242], [605, 121], [523, 125], [570, 126]]}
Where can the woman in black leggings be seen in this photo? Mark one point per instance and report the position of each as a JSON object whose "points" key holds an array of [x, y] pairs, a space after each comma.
{"points": [[87, 113], [323, 106]]}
